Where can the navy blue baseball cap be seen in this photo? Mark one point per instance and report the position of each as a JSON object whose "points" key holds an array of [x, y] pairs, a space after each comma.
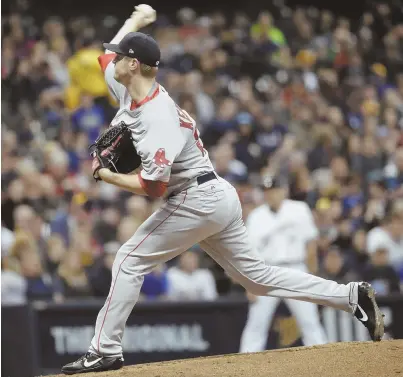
{"points": [[139, 46]]}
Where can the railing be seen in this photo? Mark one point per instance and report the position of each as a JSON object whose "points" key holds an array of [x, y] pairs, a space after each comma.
{"points": [[40, 338]]}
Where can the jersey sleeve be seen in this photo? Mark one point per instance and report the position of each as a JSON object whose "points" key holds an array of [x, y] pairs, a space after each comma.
{"points": [[116, 89], [161, 144]]}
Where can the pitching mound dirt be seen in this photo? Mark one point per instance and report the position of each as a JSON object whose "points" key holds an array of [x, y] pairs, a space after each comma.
{"points": [[355, 359]]}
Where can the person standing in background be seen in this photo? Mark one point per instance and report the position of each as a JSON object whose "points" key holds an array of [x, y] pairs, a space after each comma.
{"points": [[284, 232]]}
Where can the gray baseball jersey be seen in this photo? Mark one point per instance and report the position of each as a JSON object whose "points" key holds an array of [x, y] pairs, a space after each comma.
{"points": [[165, 136], [207, 212]]}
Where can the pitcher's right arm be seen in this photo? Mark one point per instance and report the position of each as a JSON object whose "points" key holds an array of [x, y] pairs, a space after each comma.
{"points": [[137, 20]]}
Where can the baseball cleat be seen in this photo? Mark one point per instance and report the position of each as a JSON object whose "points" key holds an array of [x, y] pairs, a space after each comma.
{"points": [[91, 362], [368, 313]]}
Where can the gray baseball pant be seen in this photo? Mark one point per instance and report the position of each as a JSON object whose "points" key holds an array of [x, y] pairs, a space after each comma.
{"points": [[209, 214]]}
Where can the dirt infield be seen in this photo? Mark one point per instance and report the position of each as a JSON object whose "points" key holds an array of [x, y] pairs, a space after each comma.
{"points": [[355, 359]]}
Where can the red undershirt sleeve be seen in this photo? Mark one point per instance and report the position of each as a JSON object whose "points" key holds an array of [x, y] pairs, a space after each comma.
{"points": [[104, 60], [153, 189]]}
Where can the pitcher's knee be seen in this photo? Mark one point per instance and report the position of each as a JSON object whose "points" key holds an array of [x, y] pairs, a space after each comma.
{"points": [[257, 290], [254, 287], [131, 263], [136, 266], [258, 283]]}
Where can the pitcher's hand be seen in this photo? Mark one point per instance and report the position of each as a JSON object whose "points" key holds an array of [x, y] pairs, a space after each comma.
{"points": [[143, 15]]}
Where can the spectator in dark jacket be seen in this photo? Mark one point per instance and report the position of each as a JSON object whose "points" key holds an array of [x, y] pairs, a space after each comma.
{"points": [[381, 274], [100, 273], [336, 267]]}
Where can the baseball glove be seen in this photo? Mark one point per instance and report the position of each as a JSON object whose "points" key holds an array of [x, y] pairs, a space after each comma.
{"points": [[114, 149]]}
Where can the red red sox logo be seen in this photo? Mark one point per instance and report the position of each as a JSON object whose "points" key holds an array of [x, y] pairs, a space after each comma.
{"points": [[160, 159]]}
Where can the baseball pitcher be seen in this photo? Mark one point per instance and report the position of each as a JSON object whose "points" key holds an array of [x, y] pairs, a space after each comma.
{"points": [[284, 232], [200, 206]]}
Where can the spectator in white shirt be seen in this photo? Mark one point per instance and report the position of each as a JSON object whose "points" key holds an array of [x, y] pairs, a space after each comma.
{"points": [[187, 281], [7, 240], [389, 236], [13, 285]]}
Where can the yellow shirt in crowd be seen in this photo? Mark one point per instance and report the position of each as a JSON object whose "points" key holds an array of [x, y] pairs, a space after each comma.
{"points": [[86, 77]]}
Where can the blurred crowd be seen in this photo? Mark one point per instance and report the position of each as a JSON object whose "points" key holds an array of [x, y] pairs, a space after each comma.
{"points": [[297, 92]]}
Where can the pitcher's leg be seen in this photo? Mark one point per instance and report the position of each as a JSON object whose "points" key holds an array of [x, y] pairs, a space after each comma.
{"points": [[232, 251], [260, 316], [155, 242], [307, 316], [123, 295]]}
